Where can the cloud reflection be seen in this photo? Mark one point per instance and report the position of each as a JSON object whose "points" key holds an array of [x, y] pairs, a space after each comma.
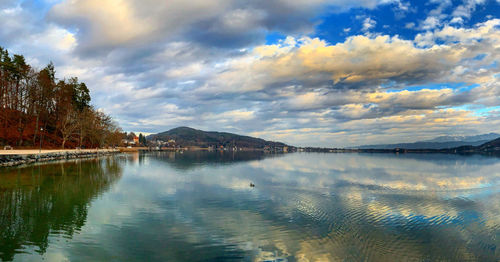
{"points": [[308, 207]]}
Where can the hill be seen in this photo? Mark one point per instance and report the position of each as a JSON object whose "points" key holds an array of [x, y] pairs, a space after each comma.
{"points": [[442, 142], [491, 147], [186, 136], [492, 144]]}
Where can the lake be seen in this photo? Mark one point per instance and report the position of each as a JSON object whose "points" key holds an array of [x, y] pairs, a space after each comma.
{"points": [[199, 206]]}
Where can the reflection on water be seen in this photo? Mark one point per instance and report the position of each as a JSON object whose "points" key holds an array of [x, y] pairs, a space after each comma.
{"points": [[198, 206], [185, 160], [40, 200]]}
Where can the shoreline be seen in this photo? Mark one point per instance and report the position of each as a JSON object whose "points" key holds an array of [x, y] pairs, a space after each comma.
{"points": [[12, 158], [9, 158]]}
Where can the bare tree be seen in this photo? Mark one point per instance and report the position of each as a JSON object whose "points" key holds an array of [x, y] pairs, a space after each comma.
{"points": [[68, 125]]}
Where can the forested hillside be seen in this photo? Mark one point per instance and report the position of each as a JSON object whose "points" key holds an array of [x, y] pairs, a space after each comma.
{"points": [[36, 108], [186, 136]]}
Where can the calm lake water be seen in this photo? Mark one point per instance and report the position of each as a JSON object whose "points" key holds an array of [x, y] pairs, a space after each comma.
{"points": [[198, 206]]}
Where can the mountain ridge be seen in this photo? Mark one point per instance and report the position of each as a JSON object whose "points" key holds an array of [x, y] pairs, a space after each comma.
{"points": [[473, 138], [441, 142], [187, 136]]}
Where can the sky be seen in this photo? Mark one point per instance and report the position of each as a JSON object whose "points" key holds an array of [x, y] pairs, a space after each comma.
{"points": [[330, 73]]}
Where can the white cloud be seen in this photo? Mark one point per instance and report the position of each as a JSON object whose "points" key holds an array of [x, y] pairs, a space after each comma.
{"points": [[360, 60], [410, 25], [457, 20], [57, 37], [430, 22], [467, 8], [230, 116], [368, 24]]}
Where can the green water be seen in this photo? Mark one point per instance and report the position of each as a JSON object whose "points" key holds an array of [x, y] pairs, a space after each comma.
{"points": [[198, 206]]}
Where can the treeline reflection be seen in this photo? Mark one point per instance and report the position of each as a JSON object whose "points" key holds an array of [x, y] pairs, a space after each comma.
{"points": [[39, 200], [192, 159]]}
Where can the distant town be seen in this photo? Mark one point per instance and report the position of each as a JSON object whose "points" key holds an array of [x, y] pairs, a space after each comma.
{"points": [[185, 138], [132, 140]]}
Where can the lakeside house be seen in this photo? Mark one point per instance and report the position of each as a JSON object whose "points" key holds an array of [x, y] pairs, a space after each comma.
{"points": [[160, 143], [133, 140]]}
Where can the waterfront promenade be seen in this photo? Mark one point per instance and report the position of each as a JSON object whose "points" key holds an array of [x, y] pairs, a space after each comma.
{"points": [[26, 156], [53, 151]]}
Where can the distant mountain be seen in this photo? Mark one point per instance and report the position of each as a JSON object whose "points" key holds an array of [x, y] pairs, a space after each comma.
{"points": [[484, 137], [442, 142], [186, 136], [491, 147]]}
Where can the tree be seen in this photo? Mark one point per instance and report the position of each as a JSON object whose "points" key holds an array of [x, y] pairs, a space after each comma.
{"points": [[43, 98], [131, 136], [85, 120], [68, 125], [81, 94], [34, 100], [142, 139]]}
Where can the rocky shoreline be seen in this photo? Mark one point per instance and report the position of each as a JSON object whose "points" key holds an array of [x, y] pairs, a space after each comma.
{"points": [[21, 159]]}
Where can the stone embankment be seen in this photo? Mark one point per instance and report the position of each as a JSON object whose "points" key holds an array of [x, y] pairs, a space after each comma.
{"points": [[20, 157]]}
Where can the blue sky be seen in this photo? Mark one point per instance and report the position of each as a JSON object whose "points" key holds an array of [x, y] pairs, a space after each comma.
{"points": [[315, 72], [406, 21]]}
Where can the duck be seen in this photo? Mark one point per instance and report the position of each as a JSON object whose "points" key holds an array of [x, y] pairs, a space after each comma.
{"points": [[252, 185]]}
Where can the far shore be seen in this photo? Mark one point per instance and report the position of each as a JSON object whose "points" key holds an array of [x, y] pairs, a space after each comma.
{"points": [[24, 152]]}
